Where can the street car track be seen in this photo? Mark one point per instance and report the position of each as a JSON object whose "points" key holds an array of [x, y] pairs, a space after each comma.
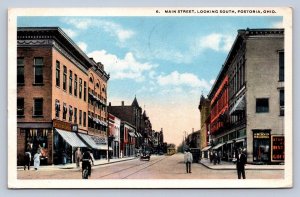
{"points": [[147, 164]]}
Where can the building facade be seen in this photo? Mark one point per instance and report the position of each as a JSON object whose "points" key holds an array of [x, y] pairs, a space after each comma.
{"points": [[254, 118], [204, 108], [114, 131], [52, 118]]}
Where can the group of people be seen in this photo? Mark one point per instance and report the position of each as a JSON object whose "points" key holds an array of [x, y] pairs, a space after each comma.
{"points": [[215, 157], [36, 157], [241, 160]]}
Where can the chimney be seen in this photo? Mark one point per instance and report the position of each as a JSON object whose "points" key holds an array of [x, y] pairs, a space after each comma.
{"points": [[122, 103], [109, 104]]}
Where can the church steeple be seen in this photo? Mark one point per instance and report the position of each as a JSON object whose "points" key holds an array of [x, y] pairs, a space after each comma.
{"points": [[135, 103]]}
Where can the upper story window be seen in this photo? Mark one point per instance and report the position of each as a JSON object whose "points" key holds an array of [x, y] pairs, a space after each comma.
{"points": [[84, 92], [84, 119], [70, 82], [91, 79], [20, 70], [65, 78], [80, 117], [38, 107], [281, 66], [57, 73], [75, 115], [57, 108], [64, 111], [262, 105], [80, 88], [20, 107], [75, 85], [70, 113], [38, 70], [97, 85], [281, 102]]}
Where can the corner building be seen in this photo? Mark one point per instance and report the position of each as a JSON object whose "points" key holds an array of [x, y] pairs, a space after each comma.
{"points": [[53, 76], [254, 119]]}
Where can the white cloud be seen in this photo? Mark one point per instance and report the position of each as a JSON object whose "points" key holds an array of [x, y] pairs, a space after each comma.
{"points": [[112, 28], [182, 79], [277, 24], [122, 68], [82, 46], [216, 42], [71, 33]]}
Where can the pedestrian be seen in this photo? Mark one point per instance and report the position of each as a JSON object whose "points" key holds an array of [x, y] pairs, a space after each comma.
{"points": [[36, 160], [188, 159], [64, 157], [78, 156], [240, 164], [215, 157], [211, 156], [27, 157]]}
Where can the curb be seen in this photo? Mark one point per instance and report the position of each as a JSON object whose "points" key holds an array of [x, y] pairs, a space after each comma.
{"points": [[234, 168]]}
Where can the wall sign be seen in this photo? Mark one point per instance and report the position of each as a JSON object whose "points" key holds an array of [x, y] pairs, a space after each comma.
{"points": [[277, 148]]}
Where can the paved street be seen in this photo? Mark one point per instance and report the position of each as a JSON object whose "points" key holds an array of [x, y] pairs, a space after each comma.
{"points": [[159, 167]]}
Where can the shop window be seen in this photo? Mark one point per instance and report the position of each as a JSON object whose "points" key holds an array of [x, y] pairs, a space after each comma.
{"points": [[38, 140], [261, 146], [38, 107], [57, 73], [20, 107], [281, 102], [38, 70], [20, 70], [262, 105]]}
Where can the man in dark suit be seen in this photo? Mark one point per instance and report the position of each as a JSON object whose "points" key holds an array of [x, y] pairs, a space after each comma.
{"points": [[240, 164]]}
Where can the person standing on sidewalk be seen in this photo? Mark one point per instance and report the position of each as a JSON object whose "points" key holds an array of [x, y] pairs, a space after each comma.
{"points": [[78, 156], [240, 164], [36, 159], [27, 157], [188, 159]]}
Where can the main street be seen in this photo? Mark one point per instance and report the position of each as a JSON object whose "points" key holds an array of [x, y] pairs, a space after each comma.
{"points": [[159, 167]]}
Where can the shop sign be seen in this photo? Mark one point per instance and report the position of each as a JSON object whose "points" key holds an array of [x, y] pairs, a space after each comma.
{"points": [[62, 125], [261, 135], [277, 148]]}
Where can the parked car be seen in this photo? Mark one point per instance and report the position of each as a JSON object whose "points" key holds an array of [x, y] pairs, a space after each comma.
{"points": [[145, 155]]}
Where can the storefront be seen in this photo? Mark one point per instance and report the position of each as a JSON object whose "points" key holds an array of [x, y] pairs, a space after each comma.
{"points": [[65, 145], [261, 146]]}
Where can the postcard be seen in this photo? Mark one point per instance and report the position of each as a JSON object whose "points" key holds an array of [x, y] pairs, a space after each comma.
{"points": [[167, 97]]}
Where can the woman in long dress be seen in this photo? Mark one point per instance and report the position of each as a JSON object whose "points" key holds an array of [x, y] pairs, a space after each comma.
{"points": [[37, 161]]}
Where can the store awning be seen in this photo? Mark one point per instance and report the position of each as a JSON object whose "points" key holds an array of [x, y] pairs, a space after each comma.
{"points": [[238, 106], [239, 140], [206, 148], [218, 146], [71, 138], [131, 134]]}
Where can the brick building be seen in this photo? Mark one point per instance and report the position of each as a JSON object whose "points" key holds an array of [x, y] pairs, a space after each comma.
{"points": [[204, 108], [253, 80], [53, 77]]}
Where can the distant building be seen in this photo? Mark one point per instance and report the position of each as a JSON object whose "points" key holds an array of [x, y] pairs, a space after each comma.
{"points": [[204, 108], [114, 132]]}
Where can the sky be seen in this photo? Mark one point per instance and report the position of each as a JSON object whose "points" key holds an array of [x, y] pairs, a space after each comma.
{"points": [[166, 62]]}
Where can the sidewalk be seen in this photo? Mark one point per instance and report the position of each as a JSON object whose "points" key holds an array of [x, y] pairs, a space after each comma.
{"points": [[73, 165], [224, 165]]}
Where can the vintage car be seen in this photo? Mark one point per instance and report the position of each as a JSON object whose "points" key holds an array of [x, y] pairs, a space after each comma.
{"points": [[145, 155]]}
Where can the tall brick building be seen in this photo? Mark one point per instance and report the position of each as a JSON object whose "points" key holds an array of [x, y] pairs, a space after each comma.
{"points": [[58, 87], [252, 115]]}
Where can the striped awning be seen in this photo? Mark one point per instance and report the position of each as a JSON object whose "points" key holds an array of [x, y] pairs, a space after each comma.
{"points": [[218, 146], [71, 138], [89, 140], [206, 148]]}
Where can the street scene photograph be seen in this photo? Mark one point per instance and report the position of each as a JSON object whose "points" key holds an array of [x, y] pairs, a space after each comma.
{"points": [[163, 94]]}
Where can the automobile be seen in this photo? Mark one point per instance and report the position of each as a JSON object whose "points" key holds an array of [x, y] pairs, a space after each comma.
{"points": [[145, 155]]}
